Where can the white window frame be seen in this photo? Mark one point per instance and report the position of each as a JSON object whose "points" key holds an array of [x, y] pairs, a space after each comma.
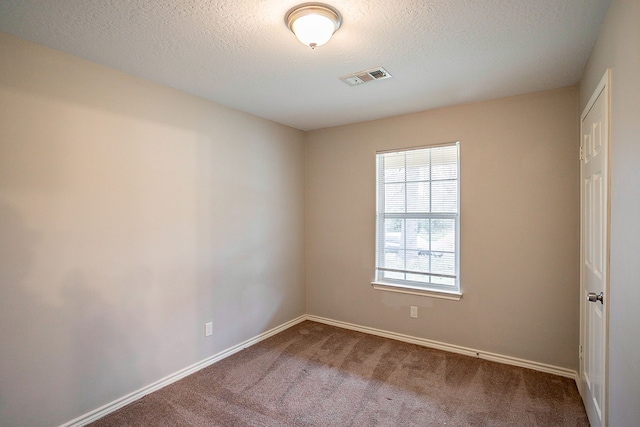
{"points": [[404, 286]]}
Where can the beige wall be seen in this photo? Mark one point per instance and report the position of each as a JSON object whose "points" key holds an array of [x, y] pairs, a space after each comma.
{"points": [[130, 215], [618, 48], [519, 226]]}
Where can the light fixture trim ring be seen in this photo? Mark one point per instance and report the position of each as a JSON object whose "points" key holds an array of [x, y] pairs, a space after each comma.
{"points": [[307, 8]]}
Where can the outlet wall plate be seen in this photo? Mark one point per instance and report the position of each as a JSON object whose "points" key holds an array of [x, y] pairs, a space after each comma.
{"points": [[208, 329], [414, 312]]}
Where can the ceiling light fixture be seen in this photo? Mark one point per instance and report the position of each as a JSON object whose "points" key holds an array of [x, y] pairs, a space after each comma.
{"points": [[313, 23]]}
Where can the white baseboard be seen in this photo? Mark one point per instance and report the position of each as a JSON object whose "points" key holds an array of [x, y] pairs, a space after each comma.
{"points": [[138, 394], [507, 360]]}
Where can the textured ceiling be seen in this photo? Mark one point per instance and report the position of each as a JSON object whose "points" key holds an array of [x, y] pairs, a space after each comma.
{"points": [[239, 53]]}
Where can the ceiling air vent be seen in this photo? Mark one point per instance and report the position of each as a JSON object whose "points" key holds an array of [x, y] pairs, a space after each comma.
{"points": [[365, 76]]}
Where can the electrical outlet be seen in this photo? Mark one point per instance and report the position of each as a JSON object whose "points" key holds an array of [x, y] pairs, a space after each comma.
{"points": [[208, 329], [414, 311]]}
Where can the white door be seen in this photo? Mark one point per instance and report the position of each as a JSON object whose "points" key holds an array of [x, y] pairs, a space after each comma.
{"points": [[594, 152]]}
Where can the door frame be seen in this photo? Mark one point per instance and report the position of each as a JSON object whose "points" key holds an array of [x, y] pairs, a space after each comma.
{"points": [[604, 88]]}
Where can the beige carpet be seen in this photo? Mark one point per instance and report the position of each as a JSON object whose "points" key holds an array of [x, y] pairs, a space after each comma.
{"points": [[318, 375]]}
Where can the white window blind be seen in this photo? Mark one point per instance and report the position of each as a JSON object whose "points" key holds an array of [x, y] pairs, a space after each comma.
{"points": [[417, 236]]}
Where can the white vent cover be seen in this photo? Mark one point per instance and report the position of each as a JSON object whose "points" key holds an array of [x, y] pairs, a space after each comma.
{"points": [[365, 76]]}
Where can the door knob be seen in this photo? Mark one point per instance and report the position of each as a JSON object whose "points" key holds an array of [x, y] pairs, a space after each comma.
{"points": [[592, 297]]}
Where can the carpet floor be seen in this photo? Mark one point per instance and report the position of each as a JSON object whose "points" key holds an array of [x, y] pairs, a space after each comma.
{"points": [[318, 375]]}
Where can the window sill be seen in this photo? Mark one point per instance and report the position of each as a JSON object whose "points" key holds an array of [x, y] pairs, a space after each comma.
{"points": [[414, 290]]}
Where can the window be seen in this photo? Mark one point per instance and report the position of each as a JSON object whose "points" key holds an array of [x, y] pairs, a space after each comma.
{"points": [[418, 221]]}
